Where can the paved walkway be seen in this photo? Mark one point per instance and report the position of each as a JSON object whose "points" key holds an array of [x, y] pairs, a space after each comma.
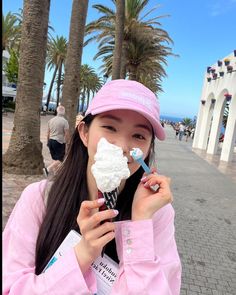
{"points": [[204, 200], [205, 203]]}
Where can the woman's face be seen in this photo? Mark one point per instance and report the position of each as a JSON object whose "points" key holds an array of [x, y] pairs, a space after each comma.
{"points": [[124, 128]]}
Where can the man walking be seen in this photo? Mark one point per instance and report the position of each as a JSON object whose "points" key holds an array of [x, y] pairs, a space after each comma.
{"points": [[181, 131], [57, 138]]}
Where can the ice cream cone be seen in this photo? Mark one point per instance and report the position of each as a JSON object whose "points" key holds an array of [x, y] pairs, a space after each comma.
{"points": [[110, 203], [111, 198]]}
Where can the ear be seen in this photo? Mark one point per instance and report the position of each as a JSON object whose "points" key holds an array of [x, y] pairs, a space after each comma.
{"points": [[83, 132]]}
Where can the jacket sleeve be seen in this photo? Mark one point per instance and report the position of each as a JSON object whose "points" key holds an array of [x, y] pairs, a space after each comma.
{"points": [[149, 260], [19, 241]]}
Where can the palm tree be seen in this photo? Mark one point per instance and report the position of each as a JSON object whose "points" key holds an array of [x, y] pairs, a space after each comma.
{"points": [[119, 37], [90, 83], [150, 82], [24, 154], [10, 30], [11, 67], [73, 60], [145, 56], [187, 121], [142, 45], [19, 17], [59, 80], [55, 59]]}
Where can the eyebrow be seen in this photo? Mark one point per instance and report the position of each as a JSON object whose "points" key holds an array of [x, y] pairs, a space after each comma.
{"points": [[117, 119]]}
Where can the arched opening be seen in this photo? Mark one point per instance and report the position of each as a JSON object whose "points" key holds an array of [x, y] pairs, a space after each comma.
{"points": [[217, 129], [229, 144], [224, 119], [207, 119]]}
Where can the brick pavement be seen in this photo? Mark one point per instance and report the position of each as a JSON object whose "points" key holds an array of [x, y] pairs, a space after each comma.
{"points": [[204, 201], [205, 205]]}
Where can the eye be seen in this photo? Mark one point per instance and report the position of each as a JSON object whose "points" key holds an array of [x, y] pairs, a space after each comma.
{"points": [[109, 127], [139, 136]]}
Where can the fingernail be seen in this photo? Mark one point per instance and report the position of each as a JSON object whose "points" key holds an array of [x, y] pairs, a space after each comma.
{"points": [[116, 212], [101, 200], [146, 184], [143, 178]]}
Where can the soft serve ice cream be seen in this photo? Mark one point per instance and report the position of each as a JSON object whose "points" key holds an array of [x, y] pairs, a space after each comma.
{"points": [[110, 166]]}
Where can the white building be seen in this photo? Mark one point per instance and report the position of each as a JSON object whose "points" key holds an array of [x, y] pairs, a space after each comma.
{"points": [[219, 88], [8, 89]]}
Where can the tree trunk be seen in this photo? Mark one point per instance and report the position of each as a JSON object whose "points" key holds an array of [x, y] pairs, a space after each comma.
{"points": [[24, 154], [87, 103], [119, 37], [132, 69], [51, 86], [83, 101], [71, 86], [123, 61], [59, 82]]}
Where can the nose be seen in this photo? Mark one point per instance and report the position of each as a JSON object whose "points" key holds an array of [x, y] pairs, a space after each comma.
{"points": [[124, 144]]}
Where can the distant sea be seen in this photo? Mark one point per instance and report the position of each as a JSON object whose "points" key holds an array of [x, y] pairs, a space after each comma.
{"points": [[172, 119]]}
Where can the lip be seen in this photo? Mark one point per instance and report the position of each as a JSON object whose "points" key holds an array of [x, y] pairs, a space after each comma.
{"points": [[130, 161]]}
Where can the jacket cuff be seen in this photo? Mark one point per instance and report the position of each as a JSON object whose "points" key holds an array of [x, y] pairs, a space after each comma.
{"points": [[66, 271], [134, 241]]}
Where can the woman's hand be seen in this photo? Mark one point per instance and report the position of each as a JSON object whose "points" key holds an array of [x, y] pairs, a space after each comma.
{"points": [[95, 230], [146, 201]]}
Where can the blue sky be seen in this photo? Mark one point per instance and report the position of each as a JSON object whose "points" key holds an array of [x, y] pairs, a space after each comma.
{"points": [[203, 31]]}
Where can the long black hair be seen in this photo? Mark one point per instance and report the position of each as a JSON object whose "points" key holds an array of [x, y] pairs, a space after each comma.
{"points": [[69, 189]]}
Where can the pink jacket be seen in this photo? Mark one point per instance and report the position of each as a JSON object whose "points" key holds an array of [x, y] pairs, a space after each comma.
{"points": [[149, 261]]}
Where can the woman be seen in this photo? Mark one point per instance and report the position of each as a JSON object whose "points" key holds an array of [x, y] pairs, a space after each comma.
{"points": [[141, 239]]}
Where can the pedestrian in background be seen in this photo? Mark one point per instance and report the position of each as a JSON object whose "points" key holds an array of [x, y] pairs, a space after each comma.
{"points": [[181, 131], [192, 133], [45, 109], [57, 137], [187, 132], [176, 128]]}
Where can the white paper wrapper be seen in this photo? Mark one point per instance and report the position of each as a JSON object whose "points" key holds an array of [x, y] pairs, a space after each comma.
{"points": [[111, 198]]}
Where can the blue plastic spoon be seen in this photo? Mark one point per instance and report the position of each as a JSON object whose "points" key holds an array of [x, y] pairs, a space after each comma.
{"points": [[137, 155]]}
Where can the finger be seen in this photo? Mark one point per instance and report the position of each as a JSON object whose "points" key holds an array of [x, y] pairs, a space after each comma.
{"points": [[102, 216], [87, 206], [161, 181], [158, 178], [106, 238], [100, 231], [96, 219], [154, 170]]}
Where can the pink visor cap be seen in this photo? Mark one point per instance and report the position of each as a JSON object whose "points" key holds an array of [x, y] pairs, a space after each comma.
{"points": [[128, 95]]}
